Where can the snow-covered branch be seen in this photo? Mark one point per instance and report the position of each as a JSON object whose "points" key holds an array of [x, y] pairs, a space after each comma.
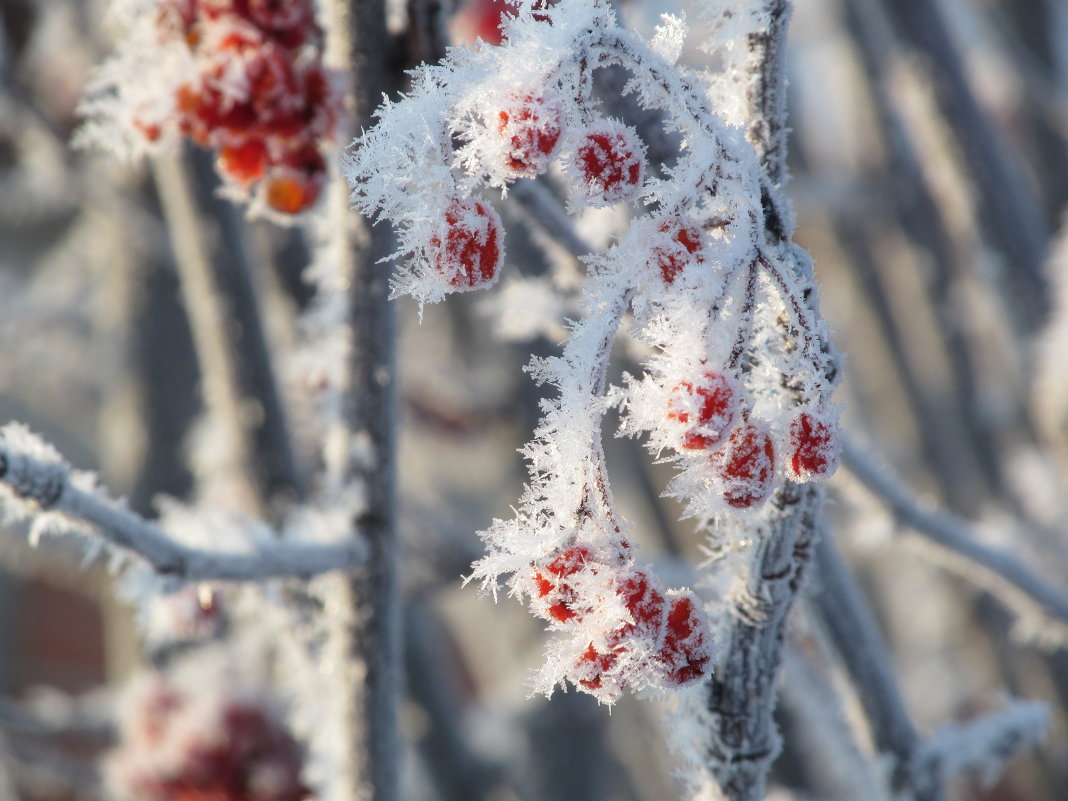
{"points": [[996, 570], [37, 484]]}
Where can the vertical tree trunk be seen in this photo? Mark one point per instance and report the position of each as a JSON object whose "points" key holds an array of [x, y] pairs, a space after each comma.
{"points": [[370, 599]]}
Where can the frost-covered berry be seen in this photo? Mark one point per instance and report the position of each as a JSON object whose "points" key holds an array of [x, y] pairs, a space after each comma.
{"points": [[609, 164], [294, 181], [180, 744], [680, 246], [553, 587], [243, 163], [687, 649], [746, 466], [704, 409], [530, 127], [290, 22], [812, 448], [468, 252]]}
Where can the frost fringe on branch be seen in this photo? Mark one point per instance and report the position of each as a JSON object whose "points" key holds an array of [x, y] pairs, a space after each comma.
{"points": [[36, 484], [735, 390]]}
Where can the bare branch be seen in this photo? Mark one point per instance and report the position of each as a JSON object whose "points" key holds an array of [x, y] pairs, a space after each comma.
{"points": [[852, 629], [995, 570], [40, 484]]}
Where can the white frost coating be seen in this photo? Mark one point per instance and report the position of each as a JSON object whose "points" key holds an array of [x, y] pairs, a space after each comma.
{"points": [[117, 108], [669, 37], [712, 298], [982, 747]]}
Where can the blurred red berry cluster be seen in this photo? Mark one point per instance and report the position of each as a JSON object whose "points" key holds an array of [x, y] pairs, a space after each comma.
{"points": [[261, 95], [177, 748]]}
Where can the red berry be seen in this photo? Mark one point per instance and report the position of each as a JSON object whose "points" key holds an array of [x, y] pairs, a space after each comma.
{"points": [[644, 601], [289, 22], [686, 652], [245, 163], [746, 464], [292, 190], [592, 665], [813, 446], [682, 247], [707, 409], [531, 126], [471, 254], [610, 163], [552, 585]]}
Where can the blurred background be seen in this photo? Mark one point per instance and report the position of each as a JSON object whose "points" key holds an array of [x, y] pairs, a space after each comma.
{"points": [[929, 161]]}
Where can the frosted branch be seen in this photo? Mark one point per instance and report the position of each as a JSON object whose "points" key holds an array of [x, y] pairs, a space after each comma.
{"points": [[994, 569], [37, 484], [982, 747]]}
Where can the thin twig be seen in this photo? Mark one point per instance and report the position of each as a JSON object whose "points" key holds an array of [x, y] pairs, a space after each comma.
{"points": [[38, 483], [852, 629]]}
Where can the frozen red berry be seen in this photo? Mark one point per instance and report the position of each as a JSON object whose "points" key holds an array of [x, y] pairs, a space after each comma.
{"points": [[686, 651], [705, 409], [610, 163], [644, 601], [746, 466], [289, 22], [812, 447], [530, 127], [553, 586], [680, 246], [592, 665], [244, 163], [468, 252]]}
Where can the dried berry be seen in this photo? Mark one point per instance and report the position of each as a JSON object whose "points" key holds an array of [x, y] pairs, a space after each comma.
{"points": [[746, 465], [531, 129], [470, 255], [682, 246], [610, 163], [813, 448], [706, 409]]}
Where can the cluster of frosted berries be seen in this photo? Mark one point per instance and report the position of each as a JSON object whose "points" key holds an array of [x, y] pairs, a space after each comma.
{"points": [[705, 415], [178, 748], [260, 96], [608, 165], [662, 639]]}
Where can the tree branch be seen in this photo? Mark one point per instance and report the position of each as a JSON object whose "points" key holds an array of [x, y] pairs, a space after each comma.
{"points": [[995, 570], [40, 484]]}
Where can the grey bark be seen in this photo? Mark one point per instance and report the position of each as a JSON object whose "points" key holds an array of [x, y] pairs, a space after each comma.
{"points": [[373, 613]]}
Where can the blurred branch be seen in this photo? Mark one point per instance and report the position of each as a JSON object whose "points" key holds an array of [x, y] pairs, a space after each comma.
{"points": [[982, 747], [238, 381], [851, 626], [39, 484], [1010, 216], [993, 569]]}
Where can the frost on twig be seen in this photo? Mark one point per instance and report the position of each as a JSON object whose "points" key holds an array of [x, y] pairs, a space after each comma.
{"points": [[734, 389], [38, 486], [995, 570], [982, 747]]}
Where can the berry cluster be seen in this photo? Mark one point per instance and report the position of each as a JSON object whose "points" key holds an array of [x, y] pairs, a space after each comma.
{"points": [[660, 638], [707, 415], [178, 748], [607, 161], [260, 95]]}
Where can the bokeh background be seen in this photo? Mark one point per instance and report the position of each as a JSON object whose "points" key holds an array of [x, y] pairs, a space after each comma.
{"points": [[929, 161]]}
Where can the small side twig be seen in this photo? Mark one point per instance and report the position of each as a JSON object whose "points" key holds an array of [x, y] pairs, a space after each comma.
{"points": [[995, 570]]}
